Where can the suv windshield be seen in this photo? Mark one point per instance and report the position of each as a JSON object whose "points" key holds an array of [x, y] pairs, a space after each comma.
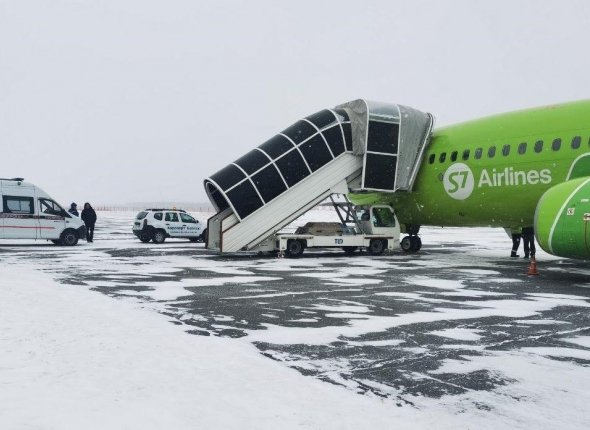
{"points": [[141, 215]]}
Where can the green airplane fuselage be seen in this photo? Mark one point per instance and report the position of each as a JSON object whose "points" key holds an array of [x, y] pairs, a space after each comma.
{"points": [[493, 171]]}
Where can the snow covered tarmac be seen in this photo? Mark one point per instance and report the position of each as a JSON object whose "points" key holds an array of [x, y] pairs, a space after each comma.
{"points": [[455, 337]]}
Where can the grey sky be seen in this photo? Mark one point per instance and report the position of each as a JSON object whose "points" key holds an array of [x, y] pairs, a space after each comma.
{"points": [[139, 100]]}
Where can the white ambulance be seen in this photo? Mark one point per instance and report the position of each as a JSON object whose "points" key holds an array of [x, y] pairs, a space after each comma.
{"points": [[28, 212]]}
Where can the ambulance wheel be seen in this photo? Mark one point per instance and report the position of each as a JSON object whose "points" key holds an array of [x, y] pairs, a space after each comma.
{"points": [[350, 250], [69, 238], [159, 236], [406, 244], [145, 238], [56, 241], [294, 248], [376, 246], [194, 239], [204, 236]]}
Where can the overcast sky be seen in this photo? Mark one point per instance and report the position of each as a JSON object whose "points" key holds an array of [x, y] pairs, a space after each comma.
{"points": [[139, 100]]}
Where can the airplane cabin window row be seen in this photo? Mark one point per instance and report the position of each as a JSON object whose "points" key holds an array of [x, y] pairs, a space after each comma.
{"points": [[522, 148]]}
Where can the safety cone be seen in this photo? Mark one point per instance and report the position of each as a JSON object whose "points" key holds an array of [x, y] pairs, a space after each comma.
{"points": [[533, 267]]}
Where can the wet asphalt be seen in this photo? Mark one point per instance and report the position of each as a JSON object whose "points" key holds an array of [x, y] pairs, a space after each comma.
{"points": [[326, 289]]}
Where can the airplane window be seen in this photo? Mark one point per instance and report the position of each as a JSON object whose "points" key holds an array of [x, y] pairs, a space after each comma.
{"points": [[466, 154], [454, 156], [431, 158], [491, 151], [538, 146], [576, 141], [443, 157], [522, 148], [478, 153], [505, 150], [556, 144]]}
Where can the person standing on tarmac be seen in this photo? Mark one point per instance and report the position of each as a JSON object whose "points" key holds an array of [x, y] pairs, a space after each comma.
{"points": [[89, 218], [528, 237], [74, 209], [516, 235]]}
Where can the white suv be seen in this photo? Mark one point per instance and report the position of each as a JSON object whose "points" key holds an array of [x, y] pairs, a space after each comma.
{"points": [[158, 224]]}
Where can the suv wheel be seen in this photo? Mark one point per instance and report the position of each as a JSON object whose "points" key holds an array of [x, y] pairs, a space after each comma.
{"points": [[159, 236]]}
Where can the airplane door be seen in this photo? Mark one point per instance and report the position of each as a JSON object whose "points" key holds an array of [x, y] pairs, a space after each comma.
{"points": [[19, 217], [52, 219]]}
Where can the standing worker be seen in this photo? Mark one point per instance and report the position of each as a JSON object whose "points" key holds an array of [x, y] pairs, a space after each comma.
{"points": [[516, 235], [528, 237], [74, 209], [89, 218]]}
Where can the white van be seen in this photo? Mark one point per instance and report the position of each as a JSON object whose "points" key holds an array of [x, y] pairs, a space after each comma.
{"points": [[27, 212]]}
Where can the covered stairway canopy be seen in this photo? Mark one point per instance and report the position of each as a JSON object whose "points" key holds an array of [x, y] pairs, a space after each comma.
{"points": [[391, 139]]}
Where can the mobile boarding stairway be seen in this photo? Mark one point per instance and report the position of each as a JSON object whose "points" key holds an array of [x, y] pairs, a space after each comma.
{"points": [[357, 146]]}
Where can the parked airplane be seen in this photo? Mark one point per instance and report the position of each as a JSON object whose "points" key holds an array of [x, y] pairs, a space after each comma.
{"points": [[518, 169]]}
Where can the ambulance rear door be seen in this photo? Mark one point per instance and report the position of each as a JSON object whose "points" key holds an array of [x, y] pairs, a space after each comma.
{"points": [[18, 212]]}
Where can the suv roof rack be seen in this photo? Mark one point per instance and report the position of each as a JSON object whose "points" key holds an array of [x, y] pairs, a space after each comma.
{"points": [[165, 209], [12, 179]]}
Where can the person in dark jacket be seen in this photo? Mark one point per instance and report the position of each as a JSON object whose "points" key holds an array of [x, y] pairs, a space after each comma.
{"points": [[89, 218], [74, 209], [516, 235], [528, 242]]}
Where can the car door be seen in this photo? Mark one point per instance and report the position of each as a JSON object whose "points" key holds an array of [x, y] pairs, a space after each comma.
{"points": [[52, 219], [190, 225], [173, 226], [20, 221]]}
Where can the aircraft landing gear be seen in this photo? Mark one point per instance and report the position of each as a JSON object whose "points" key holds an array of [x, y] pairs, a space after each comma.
{"points": [[411, 244]]}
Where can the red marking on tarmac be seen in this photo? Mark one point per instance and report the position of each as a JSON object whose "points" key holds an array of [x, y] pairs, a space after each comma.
{"points": [[18, 226]]}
